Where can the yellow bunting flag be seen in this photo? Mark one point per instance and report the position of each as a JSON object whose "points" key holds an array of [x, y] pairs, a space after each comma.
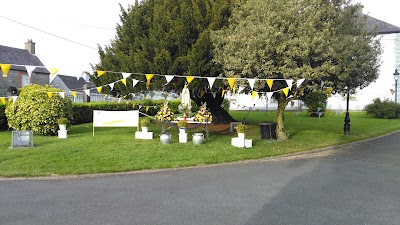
{"points": [[329, 90], [147, 108], [253, 94], [149, 77], [74, 94], [231, 82], [234, 90], [5, 68], [100, 72], [124, 81], [270, 82], [50, 94], [223, 92], [133, 106], [189, 79], [202, 93], [165, 95], [3, 100], [286, 91], [99, 89], [53, 71]]}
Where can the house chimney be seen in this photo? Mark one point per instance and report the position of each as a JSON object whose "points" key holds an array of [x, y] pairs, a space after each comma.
{"points": [[30, 46]]}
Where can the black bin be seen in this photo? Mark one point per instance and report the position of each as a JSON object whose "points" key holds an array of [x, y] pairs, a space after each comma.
{"points": [[268, 130]]}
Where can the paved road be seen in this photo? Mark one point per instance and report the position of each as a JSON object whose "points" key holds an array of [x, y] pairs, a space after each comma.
{"points": [[353, 184]]}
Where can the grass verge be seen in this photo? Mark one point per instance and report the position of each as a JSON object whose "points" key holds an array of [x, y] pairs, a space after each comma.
{"points": [[116, 149]]}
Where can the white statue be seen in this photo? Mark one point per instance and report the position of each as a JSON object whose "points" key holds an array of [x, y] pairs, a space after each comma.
{"points": [[186, 98], [185, 105]]}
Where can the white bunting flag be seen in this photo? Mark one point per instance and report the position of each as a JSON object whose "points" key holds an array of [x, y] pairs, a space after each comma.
{"points": [[269, 96], [30, 69], [299, 82], [211, 81], [289, 83], [322, 83], [126, 75], [87, 92], [169, 78], [111, 85], [62, 94], [251, 82], [240, 89], [134, 82]]}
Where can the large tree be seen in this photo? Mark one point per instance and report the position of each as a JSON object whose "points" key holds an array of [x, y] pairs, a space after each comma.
{"points": [[167, 37], [321, 41]]}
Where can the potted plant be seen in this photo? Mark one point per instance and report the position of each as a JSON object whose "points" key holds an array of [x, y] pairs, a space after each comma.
{"points": [[144, 123], [62, 123], [241, 129], [182, 124]]}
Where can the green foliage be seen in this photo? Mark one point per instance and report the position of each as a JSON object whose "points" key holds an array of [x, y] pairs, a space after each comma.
{"points": [[144, 122], [3, 118], [83, 112], [315, 40], [226, 104], [63, 120], [35, 110], [241, 128], [163, 37], [182, 124], [383, 109], [315, 100]]}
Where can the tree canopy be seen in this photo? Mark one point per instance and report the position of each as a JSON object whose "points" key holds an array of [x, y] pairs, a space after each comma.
{"points": [[324, 42], [164, 37]]}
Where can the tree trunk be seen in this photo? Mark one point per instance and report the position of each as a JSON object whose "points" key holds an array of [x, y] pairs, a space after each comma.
{"points": [[214, 102], [280, 119]]}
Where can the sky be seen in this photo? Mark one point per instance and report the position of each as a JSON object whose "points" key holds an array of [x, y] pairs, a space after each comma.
{"points": [[67, 33]]}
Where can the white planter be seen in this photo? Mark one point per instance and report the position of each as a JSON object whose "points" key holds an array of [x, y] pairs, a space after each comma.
{"points": [[183, 138], [62, 126], [145, 129], [62, 134], [241, 135], [182, 130]]}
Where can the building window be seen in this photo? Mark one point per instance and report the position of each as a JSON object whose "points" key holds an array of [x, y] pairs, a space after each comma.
{"points": [[25, 80]]}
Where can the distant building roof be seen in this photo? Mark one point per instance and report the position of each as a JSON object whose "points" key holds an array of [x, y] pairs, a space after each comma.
{"points": [[381, 27], [9, 55], [75, 84]]}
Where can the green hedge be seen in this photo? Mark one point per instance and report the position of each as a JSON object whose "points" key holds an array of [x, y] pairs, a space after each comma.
{"points": [[83, 112], [3, 118], [383, 109]]}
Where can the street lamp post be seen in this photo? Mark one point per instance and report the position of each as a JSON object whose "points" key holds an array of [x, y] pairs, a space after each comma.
{"points": [[346, 127], [396, 78]]}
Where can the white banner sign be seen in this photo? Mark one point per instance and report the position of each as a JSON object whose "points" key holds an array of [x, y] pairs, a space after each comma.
{"points": [[115, 118]]}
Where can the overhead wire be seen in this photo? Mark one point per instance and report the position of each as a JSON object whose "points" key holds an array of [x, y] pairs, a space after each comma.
{"points": [[57, 36]]}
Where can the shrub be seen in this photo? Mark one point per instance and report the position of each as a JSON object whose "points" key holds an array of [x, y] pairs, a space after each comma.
{"points": [[241, 128], [383, 109], [144, 122], [35, 110], [182, 124], [226, 104], [315, 100], [3, 118], [63, 120]]}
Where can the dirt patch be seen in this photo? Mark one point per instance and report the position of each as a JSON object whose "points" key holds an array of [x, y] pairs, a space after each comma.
{"points": [[220, 128]]}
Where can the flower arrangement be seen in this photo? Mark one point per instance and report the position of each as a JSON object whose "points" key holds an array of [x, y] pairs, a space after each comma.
{"points": [[165, 113], [182, 124], [203, 115]]}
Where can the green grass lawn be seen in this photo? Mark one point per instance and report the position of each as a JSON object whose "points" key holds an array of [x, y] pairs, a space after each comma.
{"points": [[116, 149]]}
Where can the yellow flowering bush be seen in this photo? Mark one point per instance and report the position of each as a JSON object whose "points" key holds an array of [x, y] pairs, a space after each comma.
{"points": [[203, 115], [165, 113]]}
